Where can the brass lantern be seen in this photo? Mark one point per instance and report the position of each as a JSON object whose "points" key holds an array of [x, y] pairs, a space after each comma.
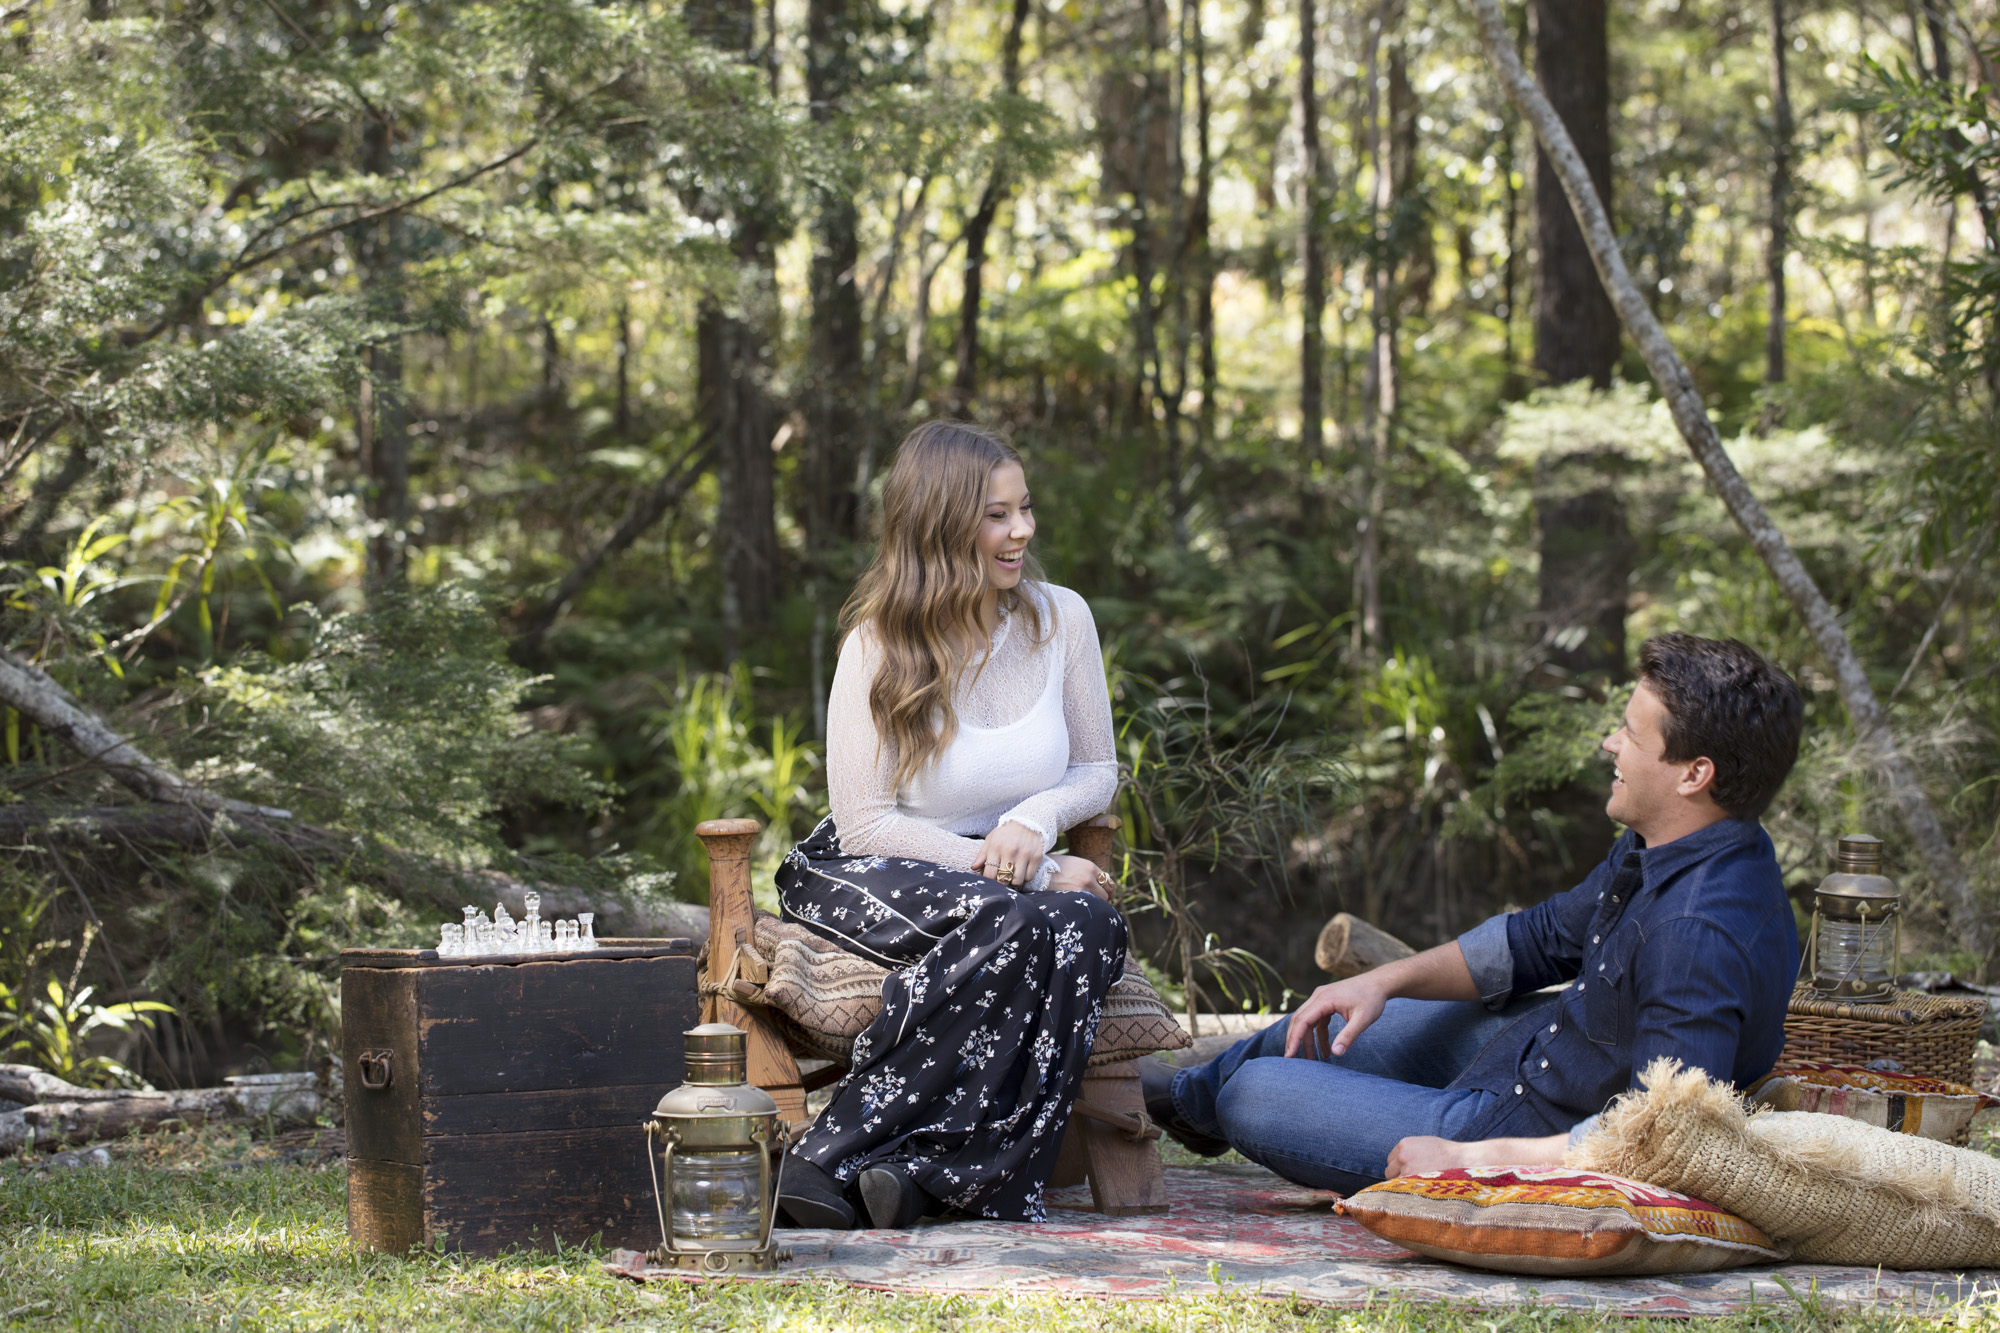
{"points": [[720, 1145], [1857, 931]]}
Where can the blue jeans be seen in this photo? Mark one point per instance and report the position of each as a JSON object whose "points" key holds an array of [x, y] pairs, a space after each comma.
{"points": [[1328, 1122]]}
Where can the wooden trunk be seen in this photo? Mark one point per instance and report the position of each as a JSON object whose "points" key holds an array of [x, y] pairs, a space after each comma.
{"points": [[495, 1102]]}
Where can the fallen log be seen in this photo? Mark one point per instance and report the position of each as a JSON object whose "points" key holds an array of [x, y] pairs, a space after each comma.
{"points": [[1349, 946], [33, 693], [62, 1112], [160, 823]]}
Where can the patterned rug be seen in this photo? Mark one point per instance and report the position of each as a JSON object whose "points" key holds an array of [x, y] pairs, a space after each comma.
{"points": [[1238, 1228]]}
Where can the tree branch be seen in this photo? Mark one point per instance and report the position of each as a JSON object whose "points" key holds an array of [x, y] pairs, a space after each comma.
{"points": [[646, 509], [254, 261], [1871, 722], [30, 691]]}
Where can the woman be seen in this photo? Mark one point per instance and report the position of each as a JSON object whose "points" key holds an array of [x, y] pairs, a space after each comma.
{"points": [[968, 725]]}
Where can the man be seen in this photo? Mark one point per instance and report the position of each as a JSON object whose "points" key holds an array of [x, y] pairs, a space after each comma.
{"points": [[1681, 944]]}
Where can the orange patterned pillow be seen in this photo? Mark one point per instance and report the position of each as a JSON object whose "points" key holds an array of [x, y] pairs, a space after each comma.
{"points": [[1554, 1220]]}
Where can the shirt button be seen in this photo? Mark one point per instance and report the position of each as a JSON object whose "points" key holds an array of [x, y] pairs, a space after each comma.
{"points": [[1600, 967], [1614, 897], [1596, 939], [1517, 1089], [1545, 1064], [1579, 988], [1552, 1027]]}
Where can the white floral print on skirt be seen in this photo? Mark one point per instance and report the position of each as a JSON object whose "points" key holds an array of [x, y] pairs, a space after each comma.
{"points": [[967, 1077]]}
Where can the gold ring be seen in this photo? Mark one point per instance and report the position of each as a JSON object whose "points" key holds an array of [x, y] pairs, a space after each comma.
{"points": [[1007, 873]]}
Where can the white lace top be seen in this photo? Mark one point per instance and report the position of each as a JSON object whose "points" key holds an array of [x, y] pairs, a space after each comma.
{"points": [[1034, 745]]}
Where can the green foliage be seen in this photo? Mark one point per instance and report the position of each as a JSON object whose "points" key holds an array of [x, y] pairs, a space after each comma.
{"points": [[55, 1025], [332, 338], [1558, 740], [718, 770], [53, 1031], [400, 723], [1217, 793]]}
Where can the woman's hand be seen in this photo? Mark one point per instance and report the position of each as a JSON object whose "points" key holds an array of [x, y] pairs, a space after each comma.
{"points": [[1011, 854], [1079, 875]]}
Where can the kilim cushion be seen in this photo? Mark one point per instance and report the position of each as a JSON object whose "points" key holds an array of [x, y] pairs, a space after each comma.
{"points": [[834, 993], [1136, 1021], [1834, 1190], [1905, 1103], [1556, 1221]]}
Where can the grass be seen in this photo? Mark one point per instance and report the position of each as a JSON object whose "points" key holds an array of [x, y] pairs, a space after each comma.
{"points": [[216, 1230]]}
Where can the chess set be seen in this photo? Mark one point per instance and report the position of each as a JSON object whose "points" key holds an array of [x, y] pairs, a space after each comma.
{"points": [[481, 936], [494, 1094]]}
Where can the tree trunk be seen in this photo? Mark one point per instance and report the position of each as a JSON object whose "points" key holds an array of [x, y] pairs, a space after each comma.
{"points": [[1585, 545], [979, 227], [733, 358], [1312, 210], [833, 412], [1378, 394], [1871, 724], [1201, 254], [1576, 330], [1586, 549], [383, 425], [1781, 186], [1349, 946], [621, 416], [735, 413]]}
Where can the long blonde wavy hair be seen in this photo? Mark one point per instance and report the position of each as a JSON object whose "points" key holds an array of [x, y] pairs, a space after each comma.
{"points": [[920, 597]]}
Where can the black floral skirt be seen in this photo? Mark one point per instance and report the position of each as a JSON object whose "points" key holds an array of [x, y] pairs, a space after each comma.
{"points": [[967, 1078]]}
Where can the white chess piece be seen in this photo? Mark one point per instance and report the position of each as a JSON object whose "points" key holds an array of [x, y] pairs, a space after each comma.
{"points": [[589, 940]]}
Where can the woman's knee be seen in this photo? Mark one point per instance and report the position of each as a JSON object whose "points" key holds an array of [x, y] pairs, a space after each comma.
{"points": [[1081, 917]]}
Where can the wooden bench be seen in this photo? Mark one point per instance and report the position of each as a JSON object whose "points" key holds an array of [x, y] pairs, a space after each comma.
{"points": [[1110, 1142]]}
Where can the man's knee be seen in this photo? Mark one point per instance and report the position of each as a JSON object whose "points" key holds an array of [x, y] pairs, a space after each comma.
{"points": [[1264, 1110]]}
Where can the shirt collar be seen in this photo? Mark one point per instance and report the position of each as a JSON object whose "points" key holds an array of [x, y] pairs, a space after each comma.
{"points": [[1659, 864]]}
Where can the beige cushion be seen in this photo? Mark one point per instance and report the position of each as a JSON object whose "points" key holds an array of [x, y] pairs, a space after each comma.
{"points": [[1835, 1190], [830, 995]]}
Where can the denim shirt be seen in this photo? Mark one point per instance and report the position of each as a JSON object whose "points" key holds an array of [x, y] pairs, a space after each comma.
{"points": [[1688, 950]]}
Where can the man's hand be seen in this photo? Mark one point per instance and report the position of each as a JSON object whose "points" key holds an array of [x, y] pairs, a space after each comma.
{"points": [[1011, 854], [1434, 974], [1358, 1001], [1079, 875], [1420, 1153]]}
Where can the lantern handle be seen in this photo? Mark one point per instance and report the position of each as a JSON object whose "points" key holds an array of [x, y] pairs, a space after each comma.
{"points": [[768, 1187], [659, 1197]]}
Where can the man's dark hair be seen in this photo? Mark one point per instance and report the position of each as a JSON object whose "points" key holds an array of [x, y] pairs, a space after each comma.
{"points": [[1728, 705]]}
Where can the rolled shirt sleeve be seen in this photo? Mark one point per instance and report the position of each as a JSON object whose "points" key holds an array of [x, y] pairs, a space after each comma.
{"points": [[1519, 952], [1490, 958]]}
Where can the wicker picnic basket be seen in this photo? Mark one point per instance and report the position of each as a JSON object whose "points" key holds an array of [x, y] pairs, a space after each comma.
{"points": [[1931, 1035]]}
